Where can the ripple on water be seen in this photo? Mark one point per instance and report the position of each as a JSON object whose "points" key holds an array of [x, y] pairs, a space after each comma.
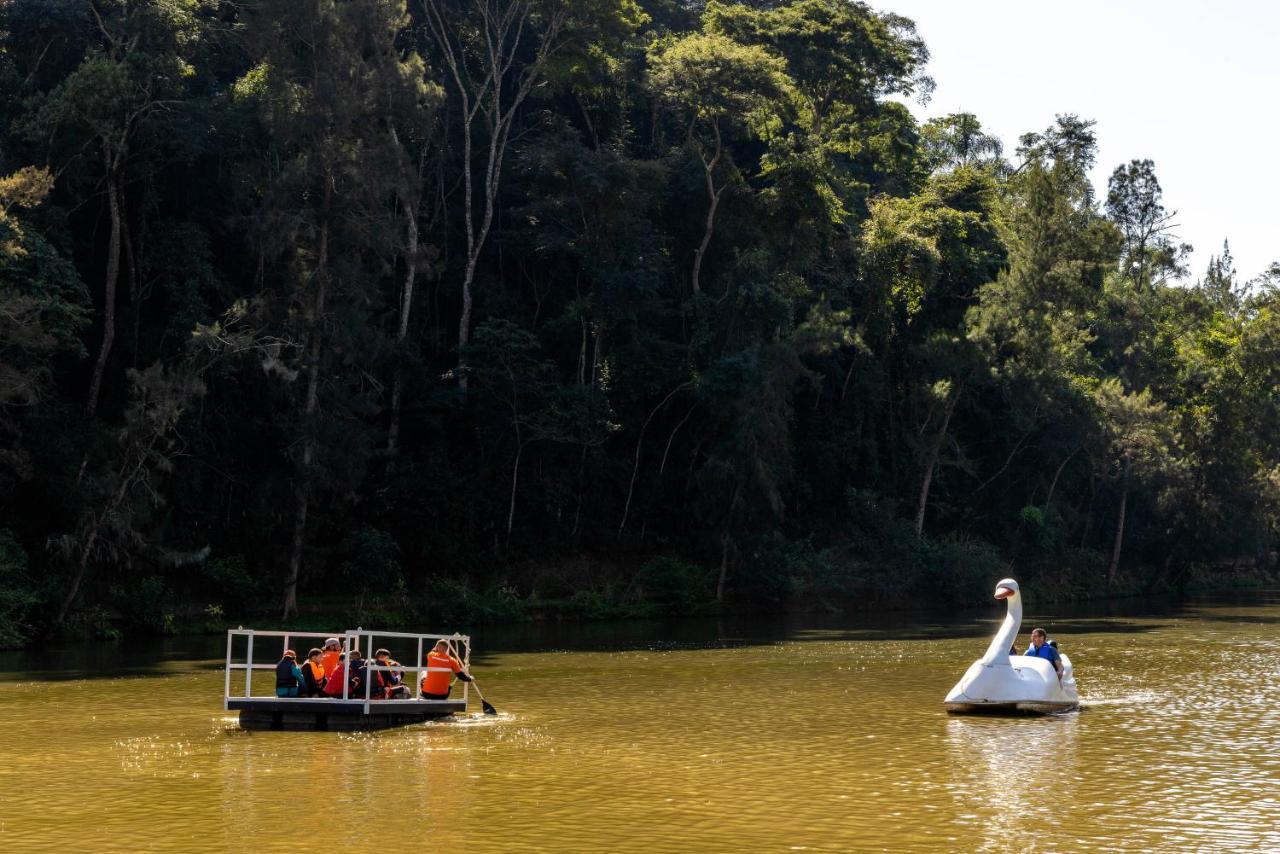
{"points": [[822, 744]]}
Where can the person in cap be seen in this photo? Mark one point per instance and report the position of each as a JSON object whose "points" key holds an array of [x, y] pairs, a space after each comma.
{"points": [[313, 674], [437, 682], [330, 655], [288, 676]]}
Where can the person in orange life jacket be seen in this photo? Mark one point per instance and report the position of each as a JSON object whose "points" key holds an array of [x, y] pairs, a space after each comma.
{"points": [[312, 674], [438, 681], [346, 676], [288, 676], [387, 683], [329, 657]]}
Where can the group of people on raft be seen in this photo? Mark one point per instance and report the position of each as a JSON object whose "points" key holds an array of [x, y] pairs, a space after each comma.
{"points": [[325, 672]]}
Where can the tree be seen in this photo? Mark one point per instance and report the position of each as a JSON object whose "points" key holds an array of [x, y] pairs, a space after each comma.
{"points": [[1138, 434], [134, 71], [1134, 203], [930, 253], [108, 527], [509, 367], [1219, 283], [842, 56], [717, 85], [958, 140], [496, 53], [330, 180], [44, 307]]}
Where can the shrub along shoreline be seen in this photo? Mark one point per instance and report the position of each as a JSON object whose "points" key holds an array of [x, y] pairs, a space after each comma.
{"points": [[790, 579]]}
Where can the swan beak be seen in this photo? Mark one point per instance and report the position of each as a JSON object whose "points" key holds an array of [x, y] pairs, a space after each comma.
{"points": [[1003, 592]]}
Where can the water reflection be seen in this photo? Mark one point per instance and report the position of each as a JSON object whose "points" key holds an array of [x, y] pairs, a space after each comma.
{"points": [[1010, 775]]}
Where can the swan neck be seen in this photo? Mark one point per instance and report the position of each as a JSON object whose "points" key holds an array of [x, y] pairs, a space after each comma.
{"points": [[998, 652]]}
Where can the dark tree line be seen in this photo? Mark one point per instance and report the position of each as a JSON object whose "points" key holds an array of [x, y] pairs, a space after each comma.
{"points": [[621, 304]]}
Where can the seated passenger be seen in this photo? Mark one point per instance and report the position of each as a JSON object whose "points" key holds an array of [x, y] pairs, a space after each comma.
{"points": [[1040, 648], [358, 674], [388, 683], [312, 674], [339, 678], [288, 676], [436, 683], [329, 658]]}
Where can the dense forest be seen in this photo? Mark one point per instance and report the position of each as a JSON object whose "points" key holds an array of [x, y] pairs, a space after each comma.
{"points": [[455, 310]]}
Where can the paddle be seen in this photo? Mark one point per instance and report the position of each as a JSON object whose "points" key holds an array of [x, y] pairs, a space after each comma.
{"points": [[484, 704]]}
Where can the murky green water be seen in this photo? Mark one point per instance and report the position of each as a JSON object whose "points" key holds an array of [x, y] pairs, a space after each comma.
{"points": [[770, 738]]}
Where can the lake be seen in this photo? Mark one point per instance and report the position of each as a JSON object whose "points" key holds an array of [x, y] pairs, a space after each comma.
{"points": [[756, 734]]}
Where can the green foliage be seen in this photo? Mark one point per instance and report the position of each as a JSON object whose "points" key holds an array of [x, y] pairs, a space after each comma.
{"points": [[369, 559], [456, 603], [673, 584], [228, 581], [460, 310], [146, 606], [718, 81], [958, 140], [17, 600]]}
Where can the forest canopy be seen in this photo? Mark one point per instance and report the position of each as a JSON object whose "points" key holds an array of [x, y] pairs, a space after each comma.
{"points": [[472, 307]]}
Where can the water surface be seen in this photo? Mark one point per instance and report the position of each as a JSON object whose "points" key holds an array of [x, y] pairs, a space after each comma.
{"points": [[698, 736]]}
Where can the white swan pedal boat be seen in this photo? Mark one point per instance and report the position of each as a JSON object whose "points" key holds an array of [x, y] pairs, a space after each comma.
{"points": [[1002, 683]]}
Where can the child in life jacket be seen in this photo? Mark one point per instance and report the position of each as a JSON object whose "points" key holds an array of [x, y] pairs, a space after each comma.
{"points": [[388, 684], [313, 677]]}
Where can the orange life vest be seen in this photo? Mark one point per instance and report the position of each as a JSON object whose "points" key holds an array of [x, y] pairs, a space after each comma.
{"points": [[317, 670], [439, 681], [329, 661]]}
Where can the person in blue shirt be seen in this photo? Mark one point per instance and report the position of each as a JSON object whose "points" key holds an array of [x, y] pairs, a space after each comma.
{"points": [[1040, 648]]}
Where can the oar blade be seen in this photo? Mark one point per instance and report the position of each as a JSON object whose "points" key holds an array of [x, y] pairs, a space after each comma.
{"points": [[488, 707]]}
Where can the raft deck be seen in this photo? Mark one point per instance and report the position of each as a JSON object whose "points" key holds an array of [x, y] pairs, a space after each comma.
{"points": [[265, 711]]}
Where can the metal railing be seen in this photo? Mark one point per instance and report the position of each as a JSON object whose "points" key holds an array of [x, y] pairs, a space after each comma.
{"points": [[350, 639]]}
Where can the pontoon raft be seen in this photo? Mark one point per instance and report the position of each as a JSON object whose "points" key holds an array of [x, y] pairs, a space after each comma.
{"points": [[265, 711]]}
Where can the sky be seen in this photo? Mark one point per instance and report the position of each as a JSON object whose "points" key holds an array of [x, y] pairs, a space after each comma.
{"points": [[1191, 85]]}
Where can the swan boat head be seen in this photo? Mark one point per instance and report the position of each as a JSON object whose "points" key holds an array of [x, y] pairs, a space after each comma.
{"points": [[1000, 682]]}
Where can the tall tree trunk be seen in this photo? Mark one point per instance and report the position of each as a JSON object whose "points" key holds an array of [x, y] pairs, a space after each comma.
{"points": [[503, 35], [726, 544], [135, 288], [1124, 504], [129, 473], [1048, 500], [515, 480], [932, 462], [302, 495], [402, 331], [713, 197], [109, 294], [78, 579], [635, 469]]}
